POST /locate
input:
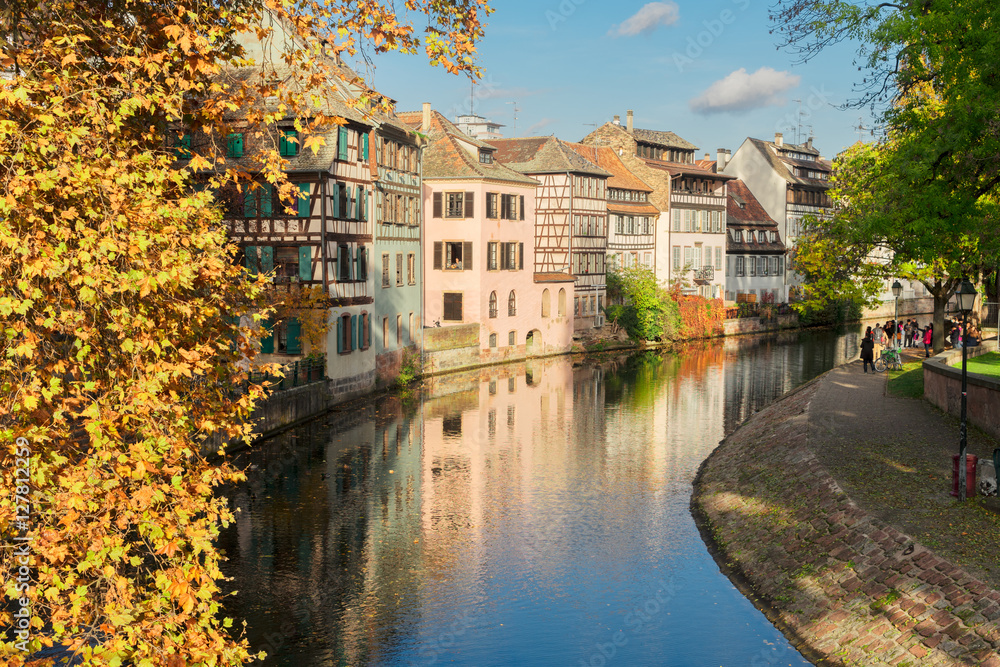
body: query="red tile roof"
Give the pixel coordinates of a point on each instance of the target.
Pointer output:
(606, 158)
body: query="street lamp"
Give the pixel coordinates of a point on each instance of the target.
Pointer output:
(966, 302)
(897, 289)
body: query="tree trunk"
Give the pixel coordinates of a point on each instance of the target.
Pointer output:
(941, 291)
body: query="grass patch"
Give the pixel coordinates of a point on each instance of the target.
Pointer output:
(909, 382)
(988, 364)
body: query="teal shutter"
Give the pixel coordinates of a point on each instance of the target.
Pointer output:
(250, 204)
(361, 270)
(354, 332)
(266, 197)
(294, 336)
(368, 332)
(336, 200)
(266, 259)
(250, 259)
(364, 146)
(340, 335)
(234, 145)
(305, 263)
(342, 144)
(305, 200)
(288, 145)
(267, 343)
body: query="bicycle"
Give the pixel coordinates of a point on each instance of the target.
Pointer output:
(889, 359)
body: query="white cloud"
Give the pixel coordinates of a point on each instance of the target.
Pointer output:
(741, 91)
(533, 130)
(647, 19)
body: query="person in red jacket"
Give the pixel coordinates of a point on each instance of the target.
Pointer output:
(928, 339)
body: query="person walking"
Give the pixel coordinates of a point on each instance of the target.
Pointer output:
(928, 339)
(868, 353)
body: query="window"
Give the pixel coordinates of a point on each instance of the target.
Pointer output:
(740, 267)
(453, 256)
(385, 269)
(512, 304)
(562, 303)
(409, 330)
(493, 346)
(576, 306)
(365, 335)
(774, 266)
(234, 145)
(288, 143)
(485, 156)
(675, 224)
(453, 306)
(688, 258)
(494, 309)
(345, 333)
(546, 306)
(511, 255)
(773, 237)
(399, 330)
(455, 205)
(411, 269)
(511, 341)
(342, 143)
(399, 269)
(491, 256)
(752, 266)
(677, 257)
(716, 222)
(344, 262)
(718, 258)
(385, 333)
(491, 205)
(762, 266)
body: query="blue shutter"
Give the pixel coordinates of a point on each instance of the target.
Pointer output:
(340, 335)
(294, 336)
(266, 259)
(305, 263)
(234, 145)
(354, 332)
(267, 342)
(342, 144)
(305, 201)
(250, 259)
(250, 203)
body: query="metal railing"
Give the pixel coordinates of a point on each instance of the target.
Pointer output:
(296, 374)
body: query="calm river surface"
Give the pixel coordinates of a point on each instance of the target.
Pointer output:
(530, 514)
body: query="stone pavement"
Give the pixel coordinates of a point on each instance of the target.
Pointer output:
(847, 586)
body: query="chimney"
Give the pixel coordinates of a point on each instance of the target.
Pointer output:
(779, 139)
(809, 142)
(707, 157)
(618, 120)
(425, 123)
(628, 120)
(721, 159)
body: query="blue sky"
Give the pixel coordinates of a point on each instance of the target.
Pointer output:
(708, 71)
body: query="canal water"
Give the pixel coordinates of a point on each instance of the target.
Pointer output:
(528, 514)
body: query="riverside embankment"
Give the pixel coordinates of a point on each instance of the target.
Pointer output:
(831, 509)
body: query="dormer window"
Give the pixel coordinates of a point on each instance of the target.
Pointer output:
(485, 156)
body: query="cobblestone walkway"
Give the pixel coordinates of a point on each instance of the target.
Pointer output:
(850, 587)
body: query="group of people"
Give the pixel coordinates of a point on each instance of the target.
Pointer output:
(911, 334)
(894, 334)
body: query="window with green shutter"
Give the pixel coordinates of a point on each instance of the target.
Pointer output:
(354, 332)
(294, 329)
(288, 143)
(266, 259)
(305, 263)
(305, 200)
(267, 342)
(250, 259)
(340, 335)
(266, 198)
(364, 147)
(234, 145)
(250, 204)
(349, 203)
(182, 146)
(336, 199)
(342, 143)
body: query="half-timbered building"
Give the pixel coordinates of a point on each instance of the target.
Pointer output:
(690, 232)
(631, 216)
(478, 251)
(571, 219)
(791, 181)
(755, 254)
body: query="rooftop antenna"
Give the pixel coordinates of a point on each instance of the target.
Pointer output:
(516, 109)
(798, 128)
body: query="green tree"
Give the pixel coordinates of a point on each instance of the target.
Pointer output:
(118, 356)
(640, 305)
(921, 202)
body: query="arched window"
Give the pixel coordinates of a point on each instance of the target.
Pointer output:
(493, 304)
(512, 304)
(562, 303)
(545, 303)
(493, 345)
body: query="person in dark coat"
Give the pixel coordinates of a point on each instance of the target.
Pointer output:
(868, 353)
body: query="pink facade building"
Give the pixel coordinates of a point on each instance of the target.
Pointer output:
(479, 253)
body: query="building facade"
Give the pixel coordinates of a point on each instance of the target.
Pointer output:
(479, 254)
(791, 181)
(690, 230)
(755, 254)
(571, 219)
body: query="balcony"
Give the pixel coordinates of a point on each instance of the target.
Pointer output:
(705, 274)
